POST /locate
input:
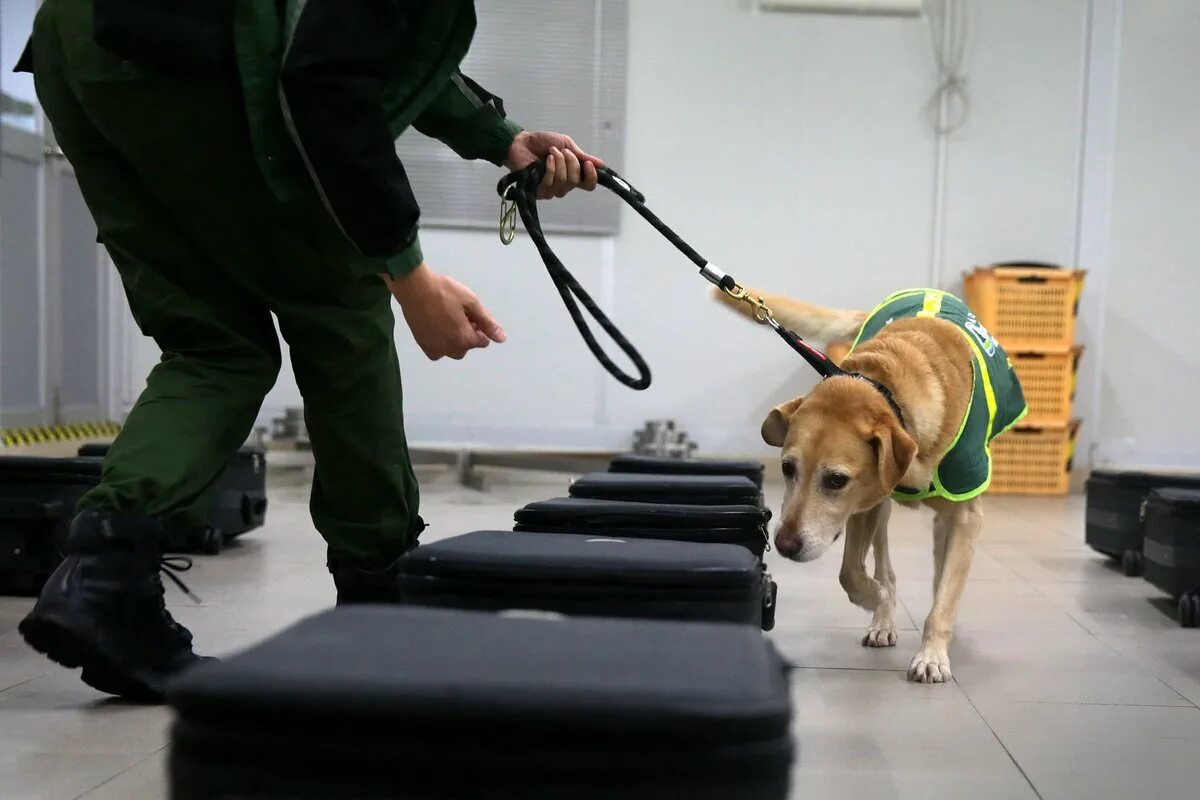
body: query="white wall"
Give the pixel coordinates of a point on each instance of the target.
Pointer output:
(794, 151)
(1151, 345)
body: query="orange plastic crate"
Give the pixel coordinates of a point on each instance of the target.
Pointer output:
(1026, 308)
(1034, 459)
(1048, 378)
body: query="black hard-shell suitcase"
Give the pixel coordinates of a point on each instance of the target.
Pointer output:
(1172, 548)
(404, 703)
(37, 503)
(709, 490)
(580, 575)
(1114, 512)
(744, 525)
(738, 525)
(239, 499)
(662, 465)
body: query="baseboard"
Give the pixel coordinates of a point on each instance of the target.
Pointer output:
(1127, 454)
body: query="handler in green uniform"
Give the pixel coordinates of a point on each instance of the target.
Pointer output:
(997, 402)
(238, 158)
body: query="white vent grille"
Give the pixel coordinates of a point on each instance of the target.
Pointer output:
(558, 66)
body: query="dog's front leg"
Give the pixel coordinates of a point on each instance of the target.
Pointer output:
(958, 526)
(882, 632)
(863, 590)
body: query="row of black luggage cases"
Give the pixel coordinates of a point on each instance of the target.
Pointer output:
(607, 647)
(38, 497)
(681, 546)
(1150, 523)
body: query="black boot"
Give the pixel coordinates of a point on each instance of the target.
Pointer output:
(103, 608)
(356, 584)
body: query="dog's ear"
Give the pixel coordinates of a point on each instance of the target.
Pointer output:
(775, 426)
(895, 450)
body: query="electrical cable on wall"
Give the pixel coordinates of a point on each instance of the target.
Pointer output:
(947, 111)
(949, 105)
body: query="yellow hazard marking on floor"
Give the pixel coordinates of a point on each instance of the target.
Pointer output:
(75, 431)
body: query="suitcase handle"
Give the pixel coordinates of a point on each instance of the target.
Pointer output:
(25, 509)
(1028, 264)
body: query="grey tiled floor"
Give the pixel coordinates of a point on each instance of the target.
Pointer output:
(1072, 681)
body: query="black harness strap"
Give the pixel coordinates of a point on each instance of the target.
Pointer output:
(520, 188)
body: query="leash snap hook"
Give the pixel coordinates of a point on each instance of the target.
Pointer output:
(758, 307)
(508, 216)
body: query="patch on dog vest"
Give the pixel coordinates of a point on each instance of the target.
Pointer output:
(997, 402)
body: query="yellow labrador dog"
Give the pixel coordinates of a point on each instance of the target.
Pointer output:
(927, 390)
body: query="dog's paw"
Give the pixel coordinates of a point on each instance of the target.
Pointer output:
(880, 636)
(930, 665)
(866, 593)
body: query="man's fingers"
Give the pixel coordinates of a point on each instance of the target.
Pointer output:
(546, 187)
(571, 176)
(556, 173)
(590, 176)
(581, 154)
(484, 322)
(561, 176)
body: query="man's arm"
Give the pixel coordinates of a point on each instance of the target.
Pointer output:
(469, 120)
(331, 88)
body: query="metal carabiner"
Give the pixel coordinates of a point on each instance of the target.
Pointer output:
(508, 217)
(758, 307)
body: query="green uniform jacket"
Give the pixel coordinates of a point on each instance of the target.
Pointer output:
(425, 90)
(321, 83)
(997, 402)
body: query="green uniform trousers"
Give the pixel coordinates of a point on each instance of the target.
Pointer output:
(207, 255)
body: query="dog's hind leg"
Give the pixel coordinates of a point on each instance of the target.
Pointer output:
(882, 632)
(958, 524)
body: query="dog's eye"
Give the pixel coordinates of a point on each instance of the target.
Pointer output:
(789, 469)
(835, 481)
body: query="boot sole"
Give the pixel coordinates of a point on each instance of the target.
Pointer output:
(59, 642)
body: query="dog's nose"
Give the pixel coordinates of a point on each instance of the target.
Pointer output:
(786, 544)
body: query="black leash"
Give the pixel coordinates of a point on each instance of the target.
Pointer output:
(518, 194)
(520, 189)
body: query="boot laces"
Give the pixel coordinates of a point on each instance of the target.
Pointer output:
(171, 566)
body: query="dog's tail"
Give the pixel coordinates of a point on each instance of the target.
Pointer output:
(809, 321)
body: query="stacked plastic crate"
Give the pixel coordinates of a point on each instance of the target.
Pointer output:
(1032, 311)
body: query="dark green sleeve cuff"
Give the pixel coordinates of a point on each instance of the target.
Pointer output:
(499, 141)
(404, 262)
(484, 135)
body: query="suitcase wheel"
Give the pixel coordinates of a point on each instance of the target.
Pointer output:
(1189, 609)
(1132, 563)
(212, 541)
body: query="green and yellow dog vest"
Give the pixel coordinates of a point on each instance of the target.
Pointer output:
(997, 402)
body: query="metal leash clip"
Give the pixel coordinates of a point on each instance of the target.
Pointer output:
(758, 307)
(508, 217)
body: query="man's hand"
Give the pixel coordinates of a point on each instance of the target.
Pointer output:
(445, 317)
(567, 166)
